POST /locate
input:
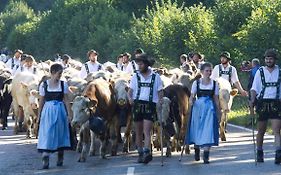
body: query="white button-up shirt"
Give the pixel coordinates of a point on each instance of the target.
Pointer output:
(216, 73)
(129, 67)
(270, 92)
(27, 69)
(16, 65)
(145, 91)
(93, 67)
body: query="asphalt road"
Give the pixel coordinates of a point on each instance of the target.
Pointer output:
(18, 155)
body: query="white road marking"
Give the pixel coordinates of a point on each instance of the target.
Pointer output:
(131, 171)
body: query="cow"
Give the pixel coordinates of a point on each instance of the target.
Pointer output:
(163, 115)
(98, 100)
(76, 87)
(5, 96)
(124, 111)
(226, 94)
(25, 95)
(179, 112)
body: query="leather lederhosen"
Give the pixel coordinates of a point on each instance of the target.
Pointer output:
(145, 107)
(269, 107)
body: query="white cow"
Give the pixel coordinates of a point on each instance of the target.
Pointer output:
(25, 94)
(226, 94)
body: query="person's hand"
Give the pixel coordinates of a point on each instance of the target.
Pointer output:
(244, 93)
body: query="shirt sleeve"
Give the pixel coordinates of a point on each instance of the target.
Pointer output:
(83, 73)
(159, 83)
(133, 81)
(215, 73)
(41, 89)
(257, 84)
(234, 76)
(194, 87)
(217, 88)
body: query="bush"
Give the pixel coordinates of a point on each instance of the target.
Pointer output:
(168, 30)
(16, 13)
(262, 30)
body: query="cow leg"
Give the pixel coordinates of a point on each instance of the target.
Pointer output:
(104, 142)
(21, 118)
(222, 126)
(114, 138)
(92, 146)
(16, 111)
(28, 124)
(167, 142)
(79, 144)
(126, 145)
(85, 144)
(5, 111)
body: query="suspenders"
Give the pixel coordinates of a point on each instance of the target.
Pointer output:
(13, 64)
(229, 72)
(34, 69)
(134, 66)
(87, 68)
(150, 85)
(269, 84)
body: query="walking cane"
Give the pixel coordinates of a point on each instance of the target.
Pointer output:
(253, 131)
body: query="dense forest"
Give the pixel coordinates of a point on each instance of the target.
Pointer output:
(163, 28)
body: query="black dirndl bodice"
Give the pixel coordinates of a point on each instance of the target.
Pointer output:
(205, 92)
(56, 95)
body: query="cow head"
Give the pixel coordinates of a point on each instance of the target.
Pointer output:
(121, 88)
(82, 108)
(32, 93)
(163, 110)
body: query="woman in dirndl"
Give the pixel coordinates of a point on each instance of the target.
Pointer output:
(54, 110)
(203, 125)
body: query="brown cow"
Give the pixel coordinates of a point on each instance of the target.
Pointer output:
(179, 112)
(98, 100)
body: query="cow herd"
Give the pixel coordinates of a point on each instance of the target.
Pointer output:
(102, 97)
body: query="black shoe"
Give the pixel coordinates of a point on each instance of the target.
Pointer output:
(45, 161)
(197, 154)
(4, 128)
(60, 159)
(278, 157)
(147, 158)
(260, 156)
(206, 157)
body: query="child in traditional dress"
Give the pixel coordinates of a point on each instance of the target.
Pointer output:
(54, 110)
(203, 126)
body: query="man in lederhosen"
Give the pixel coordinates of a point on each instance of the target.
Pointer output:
(228, 72)
(14, 63)
(92, 65)
(266, 90)
(129, 66)
(146, 89)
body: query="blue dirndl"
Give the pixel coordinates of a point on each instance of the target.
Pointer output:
(203, 125)
(54, 129)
